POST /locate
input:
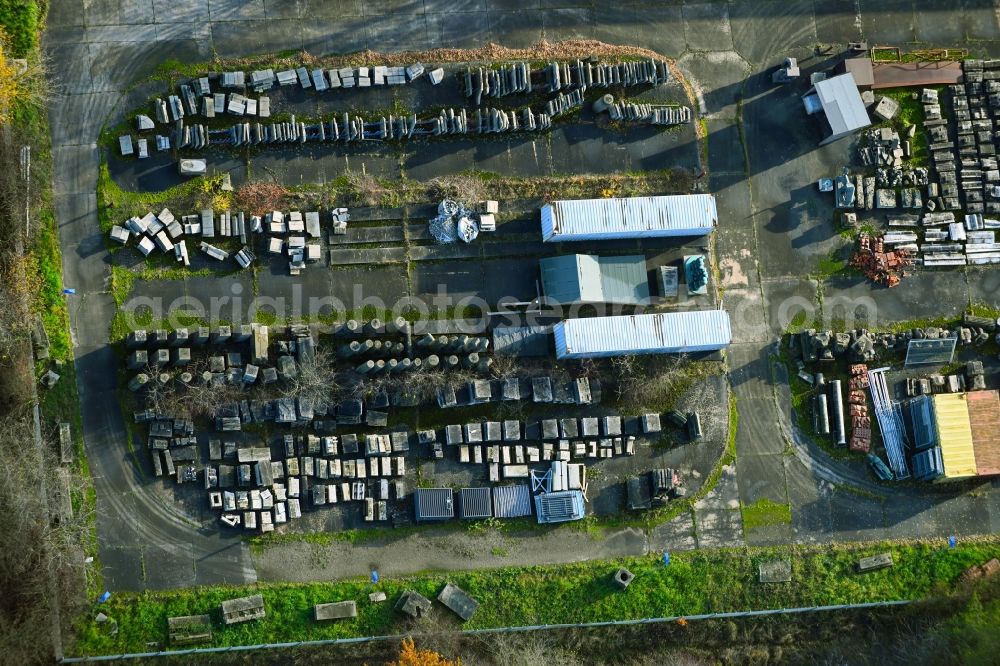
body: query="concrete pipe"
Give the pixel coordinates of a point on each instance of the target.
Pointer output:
(138, 381)
(602, 103)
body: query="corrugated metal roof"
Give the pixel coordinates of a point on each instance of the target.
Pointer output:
(842, 104)
(572, 278)
(585, 278)
(922, 415)
(927, 465)
(984, 417)
(624, 280)
(511, 501)
(476, 503)
(955, 435)
(434, 503)
(678, 215)
(560, 506)
(673, 332)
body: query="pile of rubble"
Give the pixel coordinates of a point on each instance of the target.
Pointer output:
(973, 379)
(294, 233)
(879, 265)
(861, 422)
(858, 345)
(885, 149)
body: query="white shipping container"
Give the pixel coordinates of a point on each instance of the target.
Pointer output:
(666, 333)
(634, 217)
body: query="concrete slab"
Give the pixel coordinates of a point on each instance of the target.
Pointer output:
(837, 21)
(511, 5)
(516, 29)
(455, 7)
(135, 12)
(725, 148)
(101, 12)
(169, 11)
(168, 567)
(907, 301)
(791, 300)
(74, 77)
(235, 10)
(719, 529)
(122, 569)
(230, 564)
(725, 494)
(332, 9)
(568, 23)
(64, 14)
(76, 167)
(459, 29)
(717, 78)
(113, 528)
(676, 534)
(228, 37)
(706, 26)
(977, 19)
(888, 21)
(764, 31)
(762, 476)
(122, 33)
(399, 32)
(331, 36)
(377, 8)
(657, 27)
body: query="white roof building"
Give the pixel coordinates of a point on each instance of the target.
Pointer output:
(632, 217)
(840, 102)
(665, 333)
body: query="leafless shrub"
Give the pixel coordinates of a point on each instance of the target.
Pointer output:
(464, 188)
(41, 556)
(528, 649)
(316, 379)
(364, 188)
(648, 380)
(424, 383)
(195, 399)
(261, 196)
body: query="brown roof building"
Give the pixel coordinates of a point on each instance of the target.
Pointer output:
(984, 417)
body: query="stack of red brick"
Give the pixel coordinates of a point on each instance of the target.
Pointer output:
(857, 407)
(879, 266)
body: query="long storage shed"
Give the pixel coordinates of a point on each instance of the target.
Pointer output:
(664, 333)
(632, 217)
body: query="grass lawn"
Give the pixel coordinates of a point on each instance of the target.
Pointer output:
(764, 512)
(694, 582)
(20, 20)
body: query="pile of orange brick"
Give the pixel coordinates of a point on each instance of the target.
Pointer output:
(857, 407)
(880, 266)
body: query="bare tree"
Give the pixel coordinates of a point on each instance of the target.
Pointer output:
(315, 378)
(648, 380)
(41, 554)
